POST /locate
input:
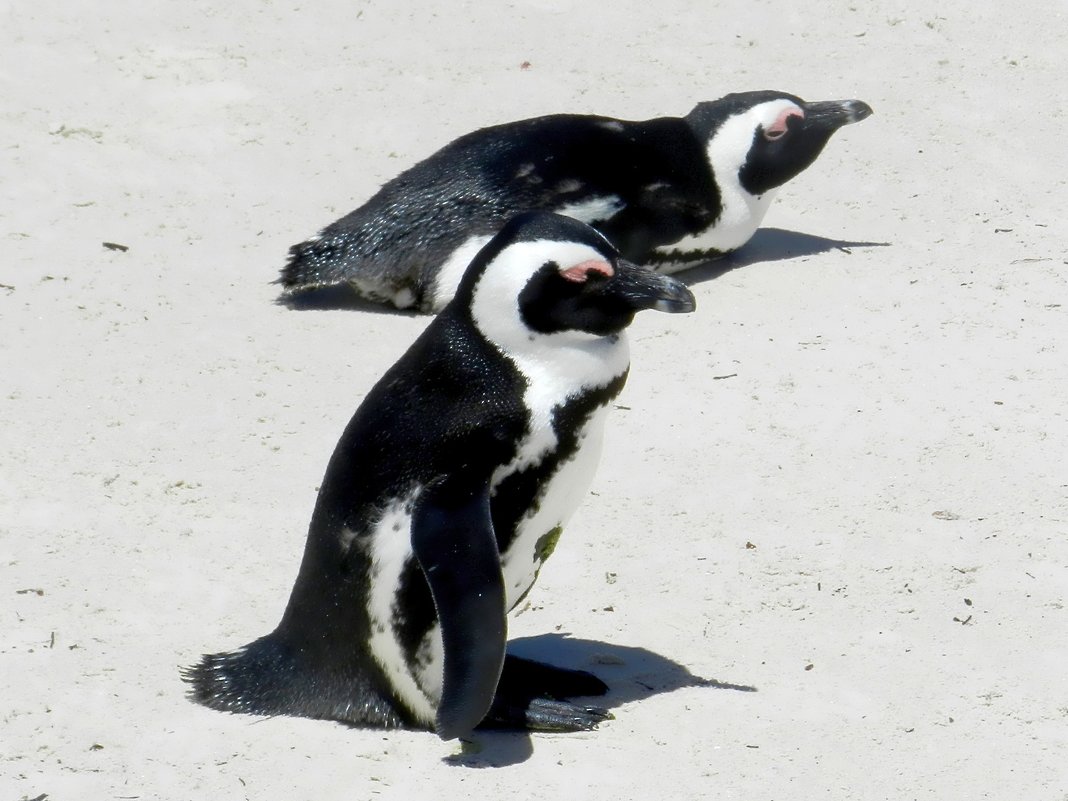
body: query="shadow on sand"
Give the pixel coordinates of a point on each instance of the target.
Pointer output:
(339, 297)
(632, 674)
(771, 244)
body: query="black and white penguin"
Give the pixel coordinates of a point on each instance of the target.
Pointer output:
(445, 495)
(669, 192)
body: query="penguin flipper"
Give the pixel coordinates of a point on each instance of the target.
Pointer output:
(454, 542)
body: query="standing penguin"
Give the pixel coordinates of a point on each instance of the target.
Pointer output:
(447, 492)
(668, 192)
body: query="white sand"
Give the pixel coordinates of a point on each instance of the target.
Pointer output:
(891, 438)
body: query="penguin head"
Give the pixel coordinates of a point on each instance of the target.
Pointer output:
(547, 274)
(766, 138)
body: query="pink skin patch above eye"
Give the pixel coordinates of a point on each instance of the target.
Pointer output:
(581, 272)
(778, 128)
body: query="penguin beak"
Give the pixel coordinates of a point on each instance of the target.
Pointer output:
(641, 289)
(830, 115)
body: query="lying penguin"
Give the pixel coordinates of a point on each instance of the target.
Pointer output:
(445, 495)
(669, 193)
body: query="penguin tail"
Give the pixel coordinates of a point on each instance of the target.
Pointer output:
(256, 679)
(316, 263)
(270, 677)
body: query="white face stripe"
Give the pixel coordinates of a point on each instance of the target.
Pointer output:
(495, 305)
(729, 146)
(727, 151)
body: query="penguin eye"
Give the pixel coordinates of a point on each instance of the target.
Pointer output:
(779, 128)
(592, 270)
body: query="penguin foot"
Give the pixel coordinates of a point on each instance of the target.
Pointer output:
(531, 695)
(545, 714)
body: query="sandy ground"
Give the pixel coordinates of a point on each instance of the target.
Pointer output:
(826, 553)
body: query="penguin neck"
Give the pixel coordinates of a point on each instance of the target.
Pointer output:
(740, 211)
(556, 369)
(740, 216)
(555, 366)
(560, 365)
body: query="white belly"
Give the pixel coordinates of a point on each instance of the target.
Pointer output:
(741, 216)
(538, 531)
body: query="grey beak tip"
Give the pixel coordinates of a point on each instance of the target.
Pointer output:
(680, 302)
(856, 110)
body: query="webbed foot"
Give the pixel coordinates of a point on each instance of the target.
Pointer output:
(532, 696)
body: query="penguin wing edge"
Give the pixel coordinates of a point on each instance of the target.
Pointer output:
(454, 542)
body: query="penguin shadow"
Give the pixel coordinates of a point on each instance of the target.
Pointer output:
(339, 297)
(632, 674)
(771, 244)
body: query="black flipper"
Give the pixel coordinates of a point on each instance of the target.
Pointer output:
(453, 539)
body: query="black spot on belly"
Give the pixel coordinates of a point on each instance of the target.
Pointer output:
(543, 549)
